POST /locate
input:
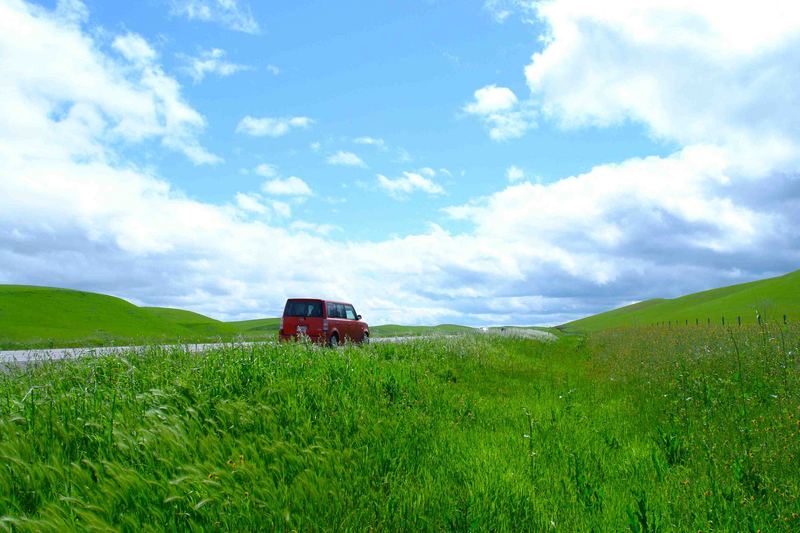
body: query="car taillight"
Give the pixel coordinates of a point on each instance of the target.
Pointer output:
(325, 325)
(281, 322)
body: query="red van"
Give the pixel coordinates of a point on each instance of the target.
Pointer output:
(322, 321)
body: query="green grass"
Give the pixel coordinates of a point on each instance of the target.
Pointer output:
(259, 326)
(773, 298)
(394, 330)
(634, 429)
(35, 317)
(44, 317)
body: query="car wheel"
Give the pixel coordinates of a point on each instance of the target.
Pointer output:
(365, 338)
(334, 341)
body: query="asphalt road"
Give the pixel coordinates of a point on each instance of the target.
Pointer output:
(55, 354)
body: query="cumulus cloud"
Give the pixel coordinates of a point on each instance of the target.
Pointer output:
(230, 14)
(75, 213)
(80, 97)
(310, 227)
(210, 62)
(291, 186)
(499, 109)
(266, 170)
(271, 127)
(693, 73)
(250, 202)
(348, 159)
(514, 173)
(409, 183)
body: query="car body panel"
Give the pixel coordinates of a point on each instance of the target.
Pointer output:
(310, 316)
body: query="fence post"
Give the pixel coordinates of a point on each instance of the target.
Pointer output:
(739, 320)
(723, 320)
(708, 321)
(759, 319)
(784, 320)
(696, 322)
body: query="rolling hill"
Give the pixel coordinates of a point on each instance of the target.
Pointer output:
(44, 317)
(772, 297)
(49, 317)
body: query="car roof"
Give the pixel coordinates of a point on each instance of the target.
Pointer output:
(317, 300)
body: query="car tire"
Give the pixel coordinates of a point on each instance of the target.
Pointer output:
(333, 342)
(365, 338)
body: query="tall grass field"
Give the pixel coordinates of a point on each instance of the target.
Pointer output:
(638, 429)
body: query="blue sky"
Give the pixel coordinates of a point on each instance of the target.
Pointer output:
(499, 161)
(400, 73)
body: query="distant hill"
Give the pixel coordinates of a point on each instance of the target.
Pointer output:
(36, 317)
(772, 297)
(395, 330)
(43, 316)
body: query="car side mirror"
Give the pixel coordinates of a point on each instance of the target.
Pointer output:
(358, 317)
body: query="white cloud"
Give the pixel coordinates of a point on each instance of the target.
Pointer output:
(135, 49)
(499, 109)
(345, 159)
(502, 10)
(210, 62)
(310, 227)
(371, 141)
(411, 182)
(282, 209)
(74, 213)
(266, 170)
(272, 69)
(272, 127)
(492, 99)
(81, 96)
(291, 186)
(693, 73)
(250, 202)
(514, 173)
(230, 14)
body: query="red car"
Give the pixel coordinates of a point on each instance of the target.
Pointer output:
(322, 321)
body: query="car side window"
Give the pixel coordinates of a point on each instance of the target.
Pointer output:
(331, 309)
(350, 312)
(339, 311)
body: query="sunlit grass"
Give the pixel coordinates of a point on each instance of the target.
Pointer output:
(640, 430)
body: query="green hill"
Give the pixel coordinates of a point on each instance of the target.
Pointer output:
(259, 326)
(772, 297)
(44, 317)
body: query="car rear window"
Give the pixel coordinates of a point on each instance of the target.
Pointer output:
(307, 308)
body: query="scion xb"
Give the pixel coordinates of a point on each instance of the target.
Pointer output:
(322, 321)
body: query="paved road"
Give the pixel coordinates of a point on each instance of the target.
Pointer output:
(55, 354)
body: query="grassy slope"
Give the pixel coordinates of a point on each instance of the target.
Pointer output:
(259, 326)
(628, 430)
(774, 297)
(41, 316)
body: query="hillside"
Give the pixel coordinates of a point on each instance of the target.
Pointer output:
(34, 317)
(772, 297)
(43, 317)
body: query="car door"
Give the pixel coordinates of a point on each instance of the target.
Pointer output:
(353, 325)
